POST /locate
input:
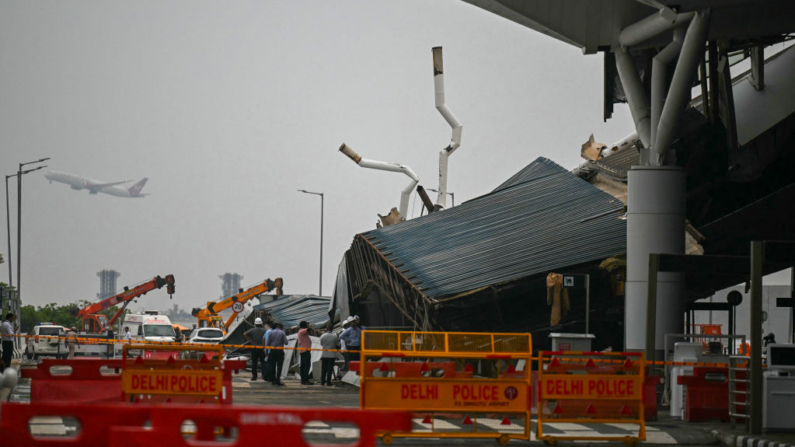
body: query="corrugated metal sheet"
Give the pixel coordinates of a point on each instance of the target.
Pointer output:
(542, 219)
(290, 310)
(533, 171)
(617, 165)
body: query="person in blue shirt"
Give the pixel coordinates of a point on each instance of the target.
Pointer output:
(267, 373)
(353, 339)
(277, 340)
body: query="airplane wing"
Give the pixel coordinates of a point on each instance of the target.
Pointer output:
(105, 185)
(94, 187)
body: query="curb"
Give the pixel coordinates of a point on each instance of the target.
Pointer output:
(732, 440)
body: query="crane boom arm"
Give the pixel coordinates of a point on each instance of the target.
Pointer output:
(214, 307)
(128, 295)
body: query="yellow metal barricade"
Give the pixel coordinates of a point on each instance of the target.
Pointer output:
(463, 385)
(591, 387)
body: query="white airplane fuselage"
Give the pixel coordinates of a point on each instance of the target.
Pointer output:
(78, 182)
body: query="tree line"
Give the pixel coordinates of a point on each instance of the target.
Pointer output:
(64, 315)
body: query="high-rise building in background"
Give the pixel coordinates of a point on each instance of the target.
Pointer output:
(231, 284)
(107, 283)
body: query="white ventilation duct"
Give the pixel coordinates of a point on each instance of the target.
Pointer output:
(620, 145)
(384, 166)
(455, 141)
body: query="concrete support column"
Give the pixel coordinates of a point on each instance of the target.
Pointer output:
(655, 224)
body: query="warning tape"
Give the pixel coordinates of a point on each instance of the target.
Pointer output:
(111, 341)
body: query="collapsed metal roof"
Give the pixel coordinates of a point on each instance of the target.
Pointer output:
(617, 166)
(543, 218)
(290, 310)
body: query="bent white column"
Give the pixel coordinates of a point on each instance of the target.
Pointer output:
(655, 224)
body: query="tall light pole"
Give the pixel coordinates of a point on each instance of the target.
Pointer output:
(320, 293)
(8, 226)
(452, 194)
(20, 173)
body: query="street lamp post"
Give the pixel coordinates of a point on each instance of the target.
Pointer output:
(452, 195)
(8, 226)
(320, 293)
(20, 173)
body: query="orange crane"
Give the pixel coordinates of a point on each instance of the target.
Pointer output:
(208, 316)
(96, 323)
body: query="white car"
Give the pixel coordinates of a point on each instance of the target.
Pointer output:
(206, 335)
(44, 340)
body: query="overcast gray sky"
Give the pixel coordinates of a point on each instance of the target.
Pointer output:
(229, 107)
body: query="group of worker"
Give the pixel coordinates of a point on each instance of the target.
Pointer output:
(268, 341)
(269, 360)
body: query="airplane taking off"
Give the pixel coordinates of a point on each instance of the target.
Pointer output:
(93, 186)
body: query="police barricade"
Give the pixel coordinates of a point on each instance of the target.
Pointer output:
(205, 378)
(83, 424)
(441, 387)
(76, 380)
(121, 424)
(591, 387)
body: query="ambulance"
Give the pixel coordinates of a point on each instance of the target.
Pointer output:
(149, 326)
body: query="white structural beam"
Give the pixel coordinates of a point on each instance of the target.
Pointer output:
(385, 166)
(455, 140)
(636, 96)
(659, 78)
(663, 20)
(679, 92)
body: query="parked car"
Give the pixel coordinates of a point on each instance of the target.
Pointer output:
(206, 335)
(44, 341)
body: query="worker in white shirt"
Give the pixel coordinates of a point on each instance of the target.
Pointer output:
(7, 334)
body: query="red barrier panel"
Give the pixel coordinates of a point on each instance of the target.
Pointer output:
(53, 381)
(707, 395)
(254, 424)
(121, 424)
(95, 422)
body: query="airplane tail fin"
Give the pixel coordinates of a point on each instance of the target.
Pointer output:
(136, 188)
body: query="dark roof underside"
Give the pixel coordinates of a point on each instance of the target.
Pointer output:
(542, 219)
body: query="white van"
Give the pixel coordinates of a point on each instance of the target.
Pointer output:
(149, 326)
